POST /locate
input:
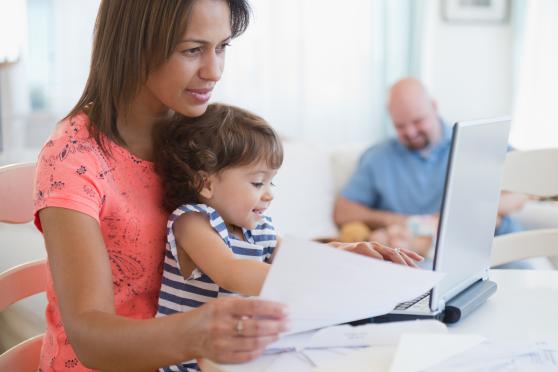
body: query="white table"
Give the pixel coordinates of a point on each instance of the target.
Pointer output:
(525, 307)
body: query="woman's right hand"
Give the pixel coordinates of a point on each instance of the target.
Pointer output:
(236, 330)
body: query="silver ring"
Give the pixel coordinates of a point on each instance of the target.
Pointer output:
(397, 250)
(239, 327)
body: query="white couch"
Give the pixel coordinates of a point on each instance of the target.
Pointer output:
(312, 175)
(306, 187)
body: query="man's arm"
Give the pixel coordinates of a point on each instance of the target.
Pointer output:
(348, 211)
(511, 202)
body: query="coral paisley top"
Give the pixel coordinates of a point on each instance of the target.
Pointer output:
(123, 194)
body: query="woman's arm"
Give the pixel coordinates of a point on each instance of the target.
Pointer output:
(211, 255)
(103, 340)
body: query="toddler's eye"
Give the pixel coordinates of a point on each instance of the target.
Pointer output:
(257, 184)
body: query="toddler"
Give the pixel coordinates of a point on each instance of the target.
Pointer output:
(217, 171)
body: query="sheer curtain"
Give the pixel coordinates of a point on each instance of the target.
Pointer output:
(535, 119)
(319, 71)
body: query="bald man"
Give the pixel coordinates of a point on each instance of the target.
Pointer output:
(405, 176)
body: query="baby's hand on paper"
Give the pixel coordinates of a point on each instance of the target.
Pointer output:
(401, 256)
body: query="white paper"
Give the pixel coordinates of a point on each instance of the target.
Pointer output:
(416, 352)
(504, 357)
(377, 359)
(323, 286)
(347, 336)
(306, 360)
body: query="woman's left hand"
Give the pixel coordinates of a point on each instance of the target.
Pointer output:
(400, 256)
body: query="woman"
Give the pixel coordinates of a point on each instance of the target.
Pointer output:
(98, 200)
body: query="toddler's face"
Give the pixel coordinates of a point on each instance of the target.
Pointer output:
(242, 194)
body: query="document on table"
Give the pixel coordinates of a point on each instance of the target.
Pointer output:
(323, 286)
(503, 357)
(342, 347)
(417, 352)
(347, 336)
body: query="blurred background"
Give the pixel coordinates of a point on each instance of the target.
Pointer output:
(318, 70)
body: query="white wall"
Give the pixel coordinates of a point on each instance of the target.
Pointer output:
(467, 67)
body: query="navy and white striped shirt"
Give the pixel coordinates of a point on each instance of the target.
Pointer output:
(178, 294)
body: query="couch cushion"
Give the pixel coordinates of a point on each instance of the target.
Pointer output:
(304, 196)
(344, 159)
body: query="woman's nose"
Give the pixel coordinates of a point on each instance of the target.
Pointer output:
(212, 68)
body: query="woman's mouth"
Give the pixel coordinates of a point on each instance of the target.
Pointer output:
(199, 95)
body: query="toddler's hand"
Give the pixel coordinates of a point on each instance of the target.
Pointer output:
(401, 256)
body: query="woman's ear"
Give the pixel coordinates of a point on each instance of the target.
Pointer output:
(207, 188)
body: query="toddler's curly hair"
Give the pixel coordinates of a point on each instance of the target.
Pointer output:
(223, 137)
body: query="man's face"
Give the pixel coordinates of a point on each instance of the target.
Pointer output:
(415, 122)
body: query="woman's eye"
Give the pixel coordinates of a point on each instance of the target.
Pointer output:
(257, 184)
(192, 51)
(222, 47)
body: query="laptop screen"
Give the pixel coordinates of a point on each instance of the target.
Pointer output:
(469, 206)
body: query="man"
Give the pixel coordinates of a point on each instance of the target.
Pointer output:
(405, 176)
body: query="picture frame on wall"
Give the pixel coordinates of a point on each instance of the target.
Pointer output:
(475, 11)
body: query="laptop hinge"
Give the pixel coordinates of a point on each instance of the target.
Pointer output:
(468, 300)
(441, 305)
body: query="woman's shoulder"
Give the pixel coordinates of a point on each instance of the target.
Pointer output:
(72, 127)
(70, 151)
(70, 135)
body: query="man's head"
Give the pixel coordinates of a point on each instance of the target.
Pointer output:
(414, 114)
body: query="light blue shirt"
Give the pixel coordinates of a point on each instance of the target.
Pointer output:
(391, 177)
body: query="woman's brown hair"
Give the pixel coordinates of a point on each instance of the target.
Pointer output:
(223, 137)
(131, 39)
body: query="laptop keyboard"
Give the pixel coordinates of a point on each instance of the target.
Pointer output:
(419, 303)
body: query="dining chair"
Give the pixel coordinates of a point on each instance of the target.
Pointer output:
(532, 172)
(27, 279)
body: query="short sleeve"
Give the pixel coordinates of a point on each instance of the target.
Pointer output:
(361, 187)
(171, 240)
(508, 225)
(68, 174)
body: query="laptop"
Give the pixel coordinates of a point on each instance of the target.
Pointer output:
(467, 224)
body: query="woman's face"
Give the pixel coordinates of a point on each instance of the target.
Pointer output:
(185, 81)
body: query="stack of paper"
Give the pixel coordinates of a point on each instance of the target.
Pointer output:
(415, 352)
(346, 336)
(324, 286)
